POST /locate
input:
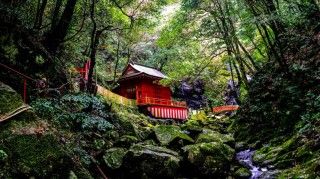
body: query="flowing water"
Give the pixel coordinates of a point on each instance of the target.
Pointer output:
(245, 158)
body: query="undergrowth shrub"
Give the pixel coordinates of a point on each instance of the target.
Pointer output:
(3, 156)
(283, 101)
(75, 111)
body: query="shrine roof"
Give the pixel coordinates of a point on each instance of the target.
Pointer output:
(140, 69)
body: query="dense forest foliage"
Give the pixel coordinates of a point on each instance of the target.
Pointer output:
(266, 51)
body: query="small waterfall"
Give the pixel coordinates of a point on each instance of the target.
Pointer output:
(245, 158)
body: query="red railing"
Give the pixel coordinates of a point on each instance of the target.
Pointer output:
(161, 102)
(84, 71)
(24, 77)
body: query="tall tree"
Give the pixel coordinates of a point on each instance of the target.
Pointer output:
(59, 31)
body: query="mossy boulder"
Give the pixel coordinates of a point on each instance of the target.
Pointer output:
(111, 135)
(281, 156)
(131, 122)
(242, 173)
(30, 148)
(213, 136)
(210, 159)
(114, 157)
(133, 125)
(3, 156)
(193, 127)
(31, 155)
(240, 146)
(168, 133)
(267, 155)
(310, 169)
(9, 99)
(259, 158)
(126, 141)
(192, 123)
(151, 161)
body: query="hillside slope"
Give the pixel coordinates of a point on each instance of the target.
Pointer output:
(84, 136)
(282, 116)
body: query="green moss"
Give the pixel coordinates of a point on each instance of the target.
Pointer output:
(303, 153)
(295, 157)
(152, 161)
(259, 157)
(212, 136)
(284, 163)
(200, 116)
(131, 122)
(172, 164)
(30, 148)
(114, 156)
(290, 144)
(211, 166)
(209, 158)
(30, 155)
(72, 175)
(3, 156)
(82, 173)
(10, 100)
(126, 141)
(166, 134)
(191, 122)
(267, 155)
(215, 149)
(243, 173)
(99, 143)
(139, 149)
(278, 155)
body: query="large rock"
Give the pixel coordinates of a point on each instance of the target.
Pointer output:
(193, 127)
(34, 156)
(243, 173)
(166, 134)
(209, 159)
(280, 156)
(126, 141)
(151, 161)
(9, 99)
(213, 136)
(28, 147)
(114, 156)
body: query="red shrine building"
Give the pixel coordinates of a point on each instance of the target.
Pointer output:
(142, 84)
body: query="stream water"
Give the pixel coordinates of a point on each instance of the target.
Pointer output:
(245, 158)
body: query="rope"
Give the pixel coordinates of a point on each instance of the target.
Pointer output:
(19, 73)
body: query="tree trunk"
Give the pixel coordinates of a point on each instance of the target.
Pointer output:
(40, 13)
(237, 72)
(59, 32)
(248, 55)
(55, 14)
(93, 45)
(117, 62)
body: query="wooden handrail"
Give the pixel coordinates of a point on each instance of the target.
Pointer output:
(159, 101)
(17, 72)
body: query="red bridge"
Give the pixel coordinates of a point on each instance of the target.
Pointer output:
(227, 108)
